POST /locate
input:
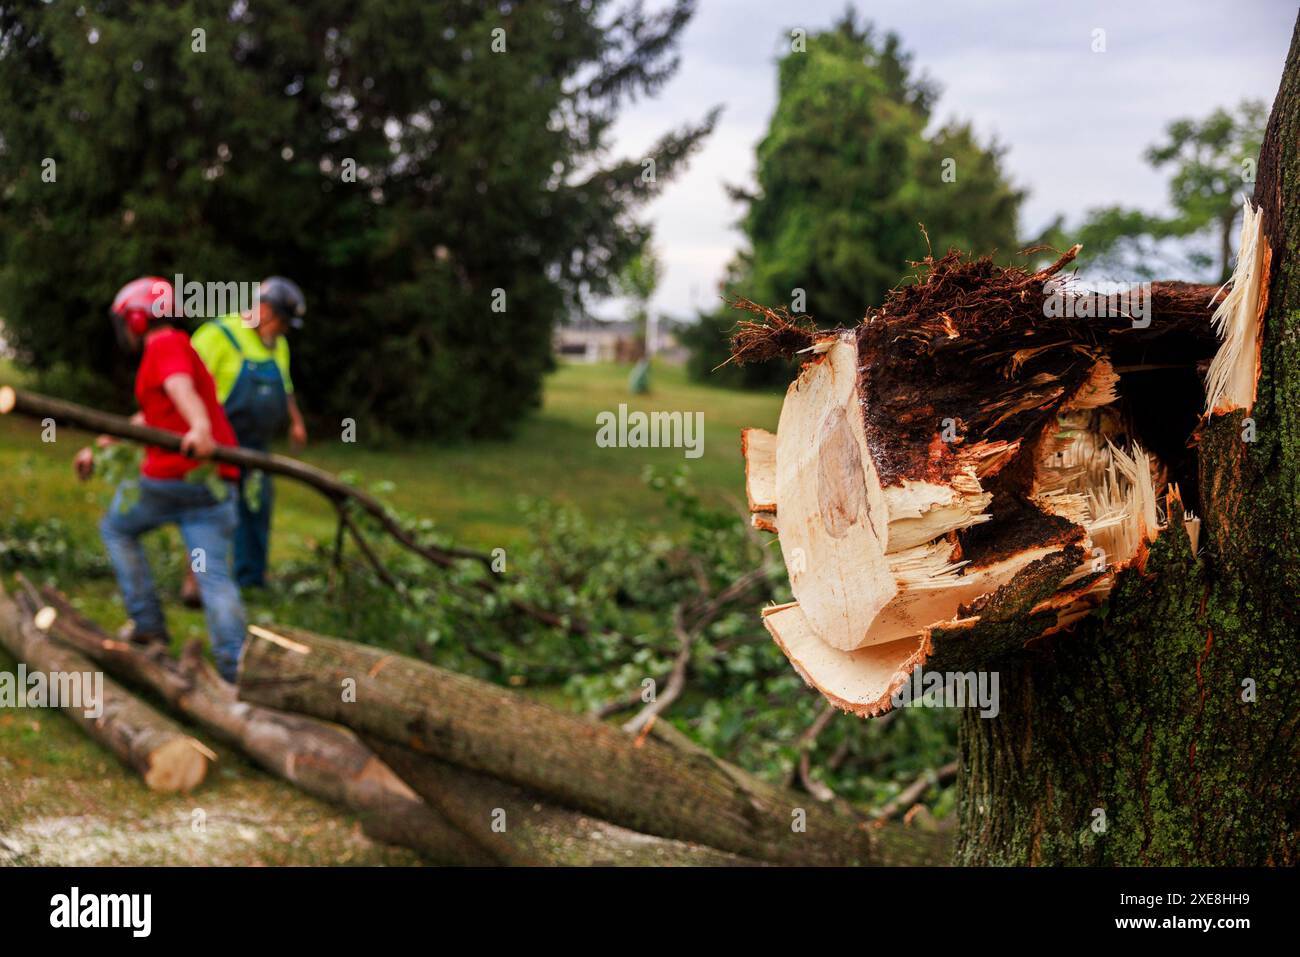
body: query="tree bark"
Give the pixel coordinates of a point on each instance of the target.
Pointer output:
(165, 756)
(643, 784)
(1165, 731)
(523, 830)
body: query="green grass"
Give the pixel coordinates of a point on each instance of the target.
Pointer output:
(63, 799)
(472, 491)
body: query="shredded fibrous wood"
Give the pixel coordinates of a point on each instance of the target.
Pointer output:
(1231, 381)
(775, 335)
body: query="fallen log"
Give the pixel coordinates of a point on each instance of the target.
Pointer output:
(155, 746)
(449, 815)
(522, 830)
(325, 760)
(982, 432)
(641, 783)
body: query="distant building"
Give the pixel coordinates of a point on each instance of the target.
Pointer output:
(588, 339)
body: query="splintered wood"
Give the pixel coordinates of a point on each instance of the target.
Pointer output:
(963, 436)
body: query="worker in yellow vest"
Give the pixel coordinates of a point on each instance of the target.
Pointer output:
(248, 356)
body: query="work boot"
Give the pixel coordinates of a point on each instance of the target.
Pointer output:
(190, 596)
(146, 639)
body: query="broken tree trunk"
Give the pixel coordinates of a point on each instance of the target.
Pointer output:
(165, 756)
(957, 442)
(1165, 732)
(643, 783)
(325, 760)
(1180, 745)
(1160, 726)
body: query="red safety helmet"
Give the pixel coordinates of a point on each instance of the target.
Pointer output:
(142, 303)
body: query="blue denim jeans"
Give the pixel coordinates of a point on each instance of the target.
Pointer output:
(253, 537)
(207, 527)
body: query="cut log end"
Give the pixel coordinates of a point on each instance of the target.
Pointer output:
(830, 505)
(180, 764)
(8, 399)
(149, 742)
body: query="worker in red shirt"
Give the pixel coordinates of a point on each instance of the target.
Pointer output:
(175, 392)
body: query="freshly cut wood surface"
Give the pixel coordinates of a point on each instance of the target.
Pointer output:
(758, 446)
(859, 681)
(833, 517)
(919, 512)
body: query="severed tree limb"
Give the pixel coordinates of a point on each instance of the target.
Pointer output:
(644, 784)
(676, 679)
(984, 429)
(346, 522)
(616, 705)
(522, 830)
(677, 675)
(38, 406)
(336, 557)
(325, 760)
(841, 752)
(165, 756)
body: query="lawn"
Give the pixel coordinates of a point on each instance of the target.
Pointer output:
(473, 491)
(65, 800)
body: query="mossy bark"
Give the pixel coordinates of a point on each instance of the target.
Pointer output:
(1163, 731)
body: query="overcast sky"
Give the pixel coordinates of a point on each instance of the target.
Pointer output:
(1075, 122)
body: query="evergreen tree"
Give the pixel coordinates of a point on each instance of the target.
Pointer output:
(847, 177)
(434, 173)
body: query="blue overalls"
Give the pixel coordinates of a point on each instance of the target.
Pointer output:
(258, 408)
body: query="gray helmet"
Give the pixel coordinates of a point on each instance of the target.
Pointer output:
(285, 298)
